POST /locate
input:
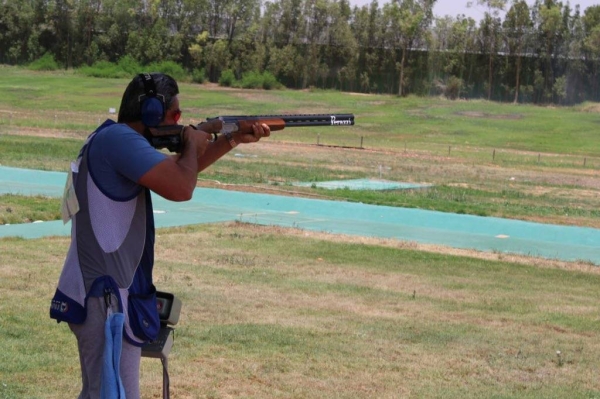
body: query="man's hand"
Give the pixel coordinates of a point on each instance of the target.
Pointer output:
(259, 130)
(196, 138)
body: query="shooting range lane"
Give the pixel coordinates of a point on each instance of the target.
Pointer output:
(430, 227)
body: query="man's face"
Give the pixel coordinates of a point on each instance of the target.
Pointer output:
(173, 113)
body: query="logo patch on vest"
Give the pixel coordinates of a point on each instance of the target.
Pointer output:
(60, 306)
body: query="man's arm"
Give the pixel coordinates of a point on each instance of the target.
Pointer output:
(175, 177)
(222, 145)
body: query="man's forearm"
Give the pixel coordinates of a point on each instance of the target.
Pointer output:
(187, 161)
(214, 152)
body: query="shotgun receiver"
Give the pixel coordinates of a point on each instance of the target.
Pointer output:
(169, 137)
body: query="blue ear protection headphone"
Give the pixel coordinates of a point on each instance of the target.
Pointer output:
(152, 104)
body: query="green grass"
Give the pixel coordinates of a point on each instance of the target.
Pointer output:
(38, 152)
(60, 91)
(268, 313)
(384, 121)
(471, 201)
(274, 313)
(15, 209)
(483, 158)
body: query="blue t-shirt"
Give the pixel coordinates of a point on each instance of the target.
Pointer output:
(118, 157)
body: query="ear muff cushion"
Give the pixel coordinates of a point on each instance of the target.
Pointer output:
(152, 111)
(152, 104)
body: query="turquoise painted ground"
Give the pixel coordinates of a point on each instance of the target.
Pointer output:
(212, 205)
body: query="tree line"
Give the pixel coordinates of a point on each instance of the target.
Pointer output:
(547, 52)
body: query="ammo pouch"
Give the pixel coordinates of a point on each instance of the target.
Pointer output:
(143, 315)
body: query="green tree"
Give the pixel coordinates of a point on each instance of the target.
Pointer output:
(196, 50)
(60, 30)
(16, 26)
(154, 43)
(490, 37)
(368, 30)
(249, 53)
(222, 18)
(341, 54)
(406, 21)
(287, 63)
(453, 40)
(517, 27)
(575, 57)
(239, 16)
(217, 58)
(548, 21)
(591, 47)
(591, 18)
(316, 26)
(113, 26)
(283, 22)
(85, 16)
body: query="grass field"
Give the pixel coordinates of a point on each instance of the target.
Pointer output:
(283, 313)
(489, 159)
(273, 313)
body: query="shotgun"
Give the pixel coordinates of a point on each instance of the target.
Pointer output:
(169, 137)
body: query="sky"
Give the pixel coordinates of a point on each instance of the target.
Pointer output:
(456, 7)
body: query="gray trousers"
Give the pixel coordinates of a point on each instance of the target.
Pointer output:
(90, 342)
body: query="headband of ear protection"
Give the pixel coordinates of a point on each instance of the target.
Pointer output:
(152, 104)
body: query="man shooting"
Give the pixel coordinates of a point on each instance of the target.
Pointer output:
(108, 268)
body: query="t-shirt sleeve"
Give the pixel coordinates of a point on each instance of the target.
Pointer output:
(129, 153)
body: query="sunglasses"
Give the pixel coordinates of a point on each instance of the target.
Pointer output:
(176, 115)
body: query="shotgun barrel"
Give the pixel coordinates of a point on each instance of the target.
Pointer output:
(169, 137)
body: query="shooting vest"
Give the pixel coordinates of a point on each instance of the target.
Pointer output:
(111, 252)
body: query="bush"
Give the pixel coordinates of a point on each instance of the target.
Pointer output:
(44, 63)
(454, 87)
(129, 64)
(199, 75)
(227, 78)
(104, 69)
(251, 80)
(270, 81)
(171, 68)
(127, 67)
(255, 80)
